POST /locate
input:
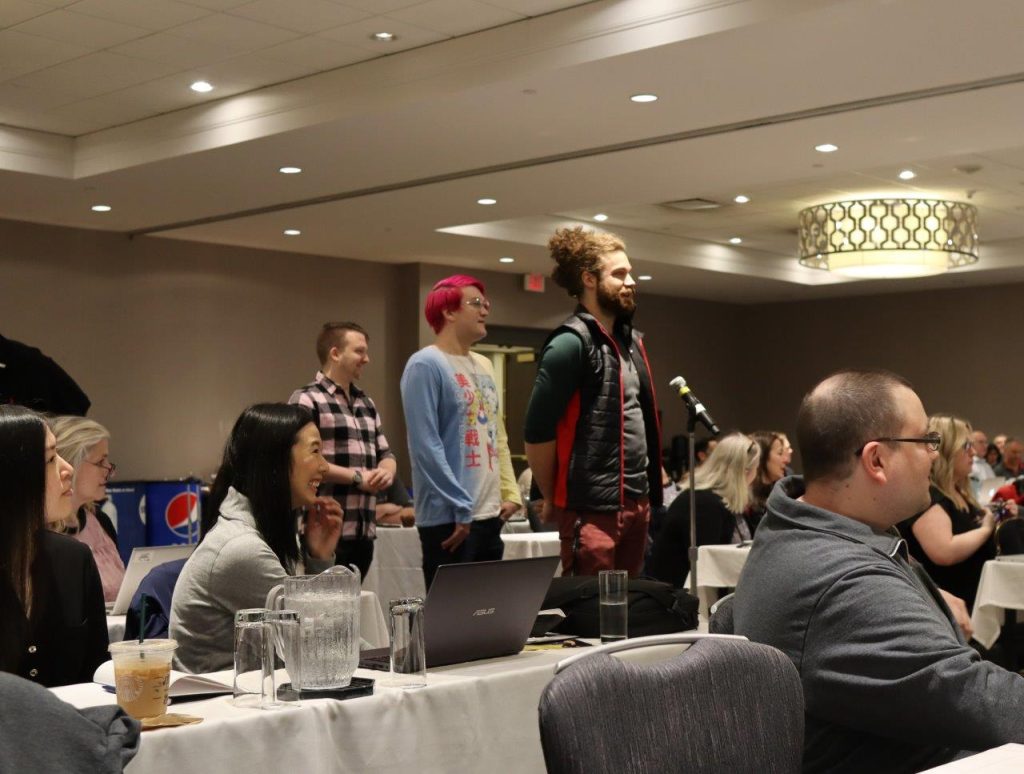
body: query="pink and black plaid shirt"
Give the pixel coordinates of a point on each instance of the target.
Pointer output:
(352, 437)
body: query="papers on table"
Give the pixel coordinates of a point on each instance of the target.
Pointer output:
(181, 684)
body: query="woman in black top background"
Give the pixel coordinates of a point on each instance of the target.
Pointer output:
(953, 538)
(722, 494)
(53, 627)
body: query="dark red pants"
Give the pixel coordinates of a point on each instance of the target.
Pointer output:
(594, 541)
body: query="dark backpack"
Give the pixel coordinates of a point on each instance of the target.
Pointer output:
(654, 607)
(1009, 536)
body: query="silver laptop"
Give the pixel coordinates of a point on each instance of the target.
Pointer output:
(144, 559)
(479, 610)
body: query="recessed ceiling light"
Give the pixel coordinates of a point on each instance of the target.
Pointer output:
(907, 174)
(735, 241)
(201, 86)
(290, 170)
(600, 217)
(644, 98)
(506, 259)
(101, 208)
(741, 199)
(384, 37)
(292, 232)
(487, 201)
(644, 277)
(826, 148)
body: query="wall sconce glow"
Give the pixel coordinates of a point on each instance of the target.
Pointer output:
(201, 86)
(888, 238)
(741, 199)
(506, 259)
(487, 201)
(101, 208)
(384, 37)
(644, 277)
(643, 98)
(290, 170)
(600, 217)
(292, 232)
(907, 174)
(826, 148)
(735, 241)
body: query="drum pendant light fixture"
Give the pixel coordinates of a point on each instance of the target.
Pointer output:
(888, 238)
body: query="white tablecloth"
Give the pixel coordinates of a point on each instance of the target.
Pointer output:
(372, 625)
(1001, 587)
(717, 566)
(397, 569)
(1008, 759)
(476, 717)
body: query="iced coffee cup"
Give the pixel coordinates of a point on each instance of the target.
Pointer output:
(142, 672)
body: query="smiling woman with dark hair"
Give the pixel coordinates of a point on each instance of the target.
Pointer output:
(54, 627)
(270, 473)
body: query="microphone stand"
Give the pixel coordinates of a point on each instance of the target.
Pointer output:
(691, 425)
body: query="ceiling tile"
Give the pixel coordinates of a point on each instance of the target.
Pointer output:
(300, 15)
(70, 27)
(252, 71)
(173, 50)
(379, 6)
(16, 11)
(20, 53)
(234, 33)
(316, 53)
(94, 74)
(455, 17)
(359, 34)
(216, 5)
(91, 115)
(153, 15)
(14, 97)
(535, 7)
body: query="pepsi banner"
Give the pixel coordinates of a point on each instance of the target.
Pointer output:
(172, 512)
(126, 509)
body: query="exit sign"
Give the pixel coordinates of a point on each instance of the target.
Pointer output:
(533, 283)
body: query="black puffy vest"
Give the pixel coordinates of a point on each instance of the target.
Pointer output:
(593, 426)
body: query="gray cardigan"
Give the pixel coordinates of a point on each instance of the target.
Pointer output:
(889, 683)
(232, 569)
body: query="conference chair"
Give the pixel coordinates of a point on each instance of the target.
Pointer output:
(720, 616)
(723, 705)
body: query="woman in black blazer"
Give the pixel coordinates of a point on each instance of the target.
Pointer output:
(53, 626)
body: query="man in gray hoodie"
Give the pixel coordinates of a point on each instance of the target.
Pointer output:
(889, 681)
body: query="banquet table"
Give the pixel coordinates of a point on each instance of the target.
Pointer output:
(718, 566)
(474, 717)
(1006, 759)
(372, 625)
(1001, 588)
(397, 569)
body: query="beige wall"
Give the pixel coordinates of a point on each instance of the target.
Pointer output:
(172, 339)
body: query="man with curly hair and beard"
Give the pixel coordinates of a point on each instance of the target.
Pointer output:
(592, 435)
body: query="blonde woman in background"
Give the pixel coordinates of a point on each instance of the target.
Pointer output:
(85, 444)
(952, 538)
(722, 496)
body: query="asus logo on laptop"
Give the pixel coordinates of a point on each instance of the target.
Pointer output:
(484, 611)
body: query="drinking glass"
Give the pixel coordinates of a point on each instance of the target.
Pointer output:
(613, 586)
(254, 659)
(282, 628)
(408, 656)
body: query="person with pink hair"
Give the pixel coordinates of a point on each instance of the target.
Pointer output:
(463, 484)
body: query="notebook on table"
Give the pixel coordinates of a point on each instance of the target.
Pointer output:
(144, 559)
(478, 610)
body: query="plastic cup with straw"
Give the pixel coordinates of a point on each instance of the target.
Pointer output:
(142, 671)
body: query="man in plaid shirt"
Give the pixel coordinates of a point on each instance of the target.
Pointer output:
(357, 453)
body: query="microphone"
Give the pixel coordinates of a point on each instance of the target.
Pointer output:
(694, 404)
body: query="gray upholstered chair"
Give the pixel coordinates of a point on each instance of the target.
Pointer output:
(723, 705)
(720, 616)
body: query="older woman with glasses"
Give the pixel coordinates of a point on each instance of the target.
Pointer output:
(953, 538)
(722, 494)
(85, 444)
